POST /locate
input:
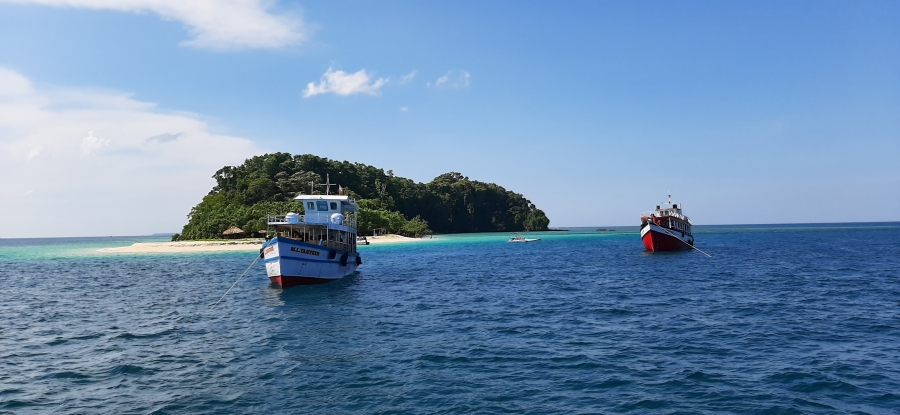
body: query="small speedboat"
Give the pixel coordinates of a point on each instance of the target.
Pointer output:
(520, 238)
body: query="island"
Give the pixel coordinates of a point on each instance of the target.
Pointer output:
(388, 204)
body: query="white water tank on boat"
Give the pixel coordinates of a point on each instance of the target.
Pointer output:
(292, 217)
(337, 218)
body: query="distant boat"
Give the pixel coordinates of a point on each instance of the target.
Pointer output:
(520, 238)
(361, 240)
(666, 229)
(317, 247)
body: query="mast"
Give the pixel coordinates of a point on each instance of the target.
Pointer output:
(327, 184)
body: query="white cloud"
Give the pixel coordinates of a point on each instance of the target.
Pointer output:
(408, 77)
(92, 148)
(453, 79)
(12, 83)
(342, 83)
(214, 24)
(35, 152)
(91, 143)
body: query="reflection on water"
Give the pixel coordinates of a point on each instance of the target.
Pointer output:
(275, 296)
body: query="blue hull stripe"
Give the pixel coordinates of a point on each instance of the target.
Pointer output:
(301, 259)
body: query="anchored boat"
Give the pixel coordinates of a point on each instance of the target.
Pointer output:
(316, 247)
(666, 229)
(521, 238)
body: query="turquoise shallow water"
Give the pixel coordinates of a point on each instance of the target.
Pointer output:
(782, 319)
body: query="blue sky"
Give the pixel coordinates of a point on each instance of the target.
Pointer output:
(748, 112)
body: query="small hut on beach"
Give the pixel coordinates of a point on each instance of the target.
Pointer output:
(233, 233)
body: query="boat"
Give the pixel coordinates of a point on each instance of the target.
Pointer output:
(666, 229)
(316, 247)
(521, 238)
(361, 240)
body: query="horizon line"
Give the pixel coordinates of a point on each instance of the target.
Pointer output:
(164, 234)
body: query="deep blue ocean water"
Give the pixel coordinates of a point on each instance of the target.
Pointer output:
(781, 320)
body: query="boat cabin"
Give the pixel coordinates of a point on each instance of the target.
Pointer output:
(669, 216)
(328, 220)
(672, 210)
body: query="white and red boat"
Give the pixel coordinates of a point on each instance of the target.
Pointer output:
(666, 229)
(316, 247)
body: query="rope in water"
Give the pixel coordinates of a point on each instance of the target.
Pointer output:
(692, 246)
(235, 283)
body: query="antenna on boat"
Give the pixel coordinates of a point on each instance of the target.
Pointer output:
(327, 183)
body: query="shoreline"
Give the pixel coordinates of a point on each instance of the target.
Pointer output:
(229, 245)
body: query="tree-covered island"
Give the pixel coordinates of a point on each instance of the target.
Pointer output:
(266, 185)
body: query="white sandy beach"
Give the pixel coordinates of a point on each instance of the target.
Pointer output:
(228, 245)
(390, 239)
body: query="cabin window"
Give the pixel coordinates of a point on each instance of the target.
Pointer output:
(322, 205)
(333, 205)
(310, 206)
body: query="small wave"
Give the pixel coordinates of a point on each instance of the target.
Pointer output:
(700, 376)
(133, 336)
(647, 404)
(831, 385)
(129, 370)
(56, 342)
(788, 377)
(812, 404)
(889, 398)
(432, 358)
(13, 404)
(67, 375)
(605, 384)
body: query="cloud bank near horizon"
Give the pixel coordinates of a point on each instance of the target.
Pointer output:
(78, 156)
(213, 24)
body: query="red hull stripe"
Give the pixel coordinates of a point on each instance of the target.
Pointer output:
(655, 242)
(286, 282)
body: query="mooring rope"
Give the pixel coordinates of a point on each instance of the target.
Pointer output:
(235, 283)
(692, 246)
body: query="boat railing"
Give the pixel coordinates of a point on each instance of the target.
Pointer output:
(283, 219)
(349, 221)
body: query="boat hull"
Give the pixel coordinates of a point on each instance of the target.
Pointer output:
(290, 262)
(657, 239)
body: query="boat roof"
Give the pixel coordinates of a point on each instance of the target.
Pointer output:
(323, 197)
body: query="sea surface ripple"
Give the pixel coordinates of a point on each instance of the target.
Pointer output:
(781, 320)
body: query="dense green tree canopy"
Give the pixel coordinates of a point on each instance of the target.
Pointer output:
(266, 185)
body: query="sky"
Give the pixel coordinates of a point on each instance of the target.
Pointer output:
(114, 115)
